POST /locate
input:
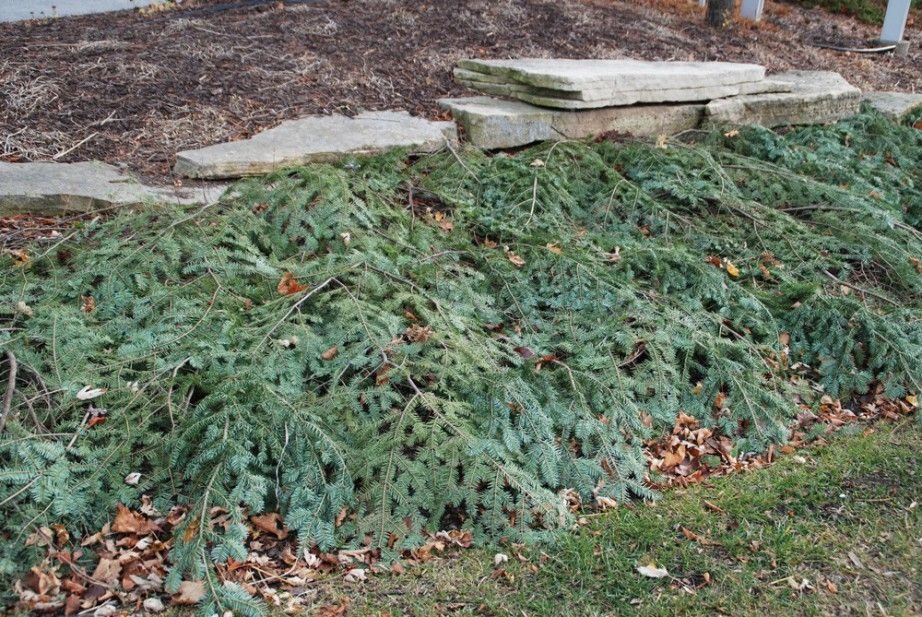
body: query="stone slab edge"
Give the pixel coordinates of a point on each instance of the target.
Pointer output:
(61, 188)
(564, 74)
(315, 139)
(817, 97)
(492, 123)
(894, 105)
(606, 98)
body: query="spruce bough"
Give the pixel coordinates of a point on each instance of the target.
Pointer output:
(475, 334)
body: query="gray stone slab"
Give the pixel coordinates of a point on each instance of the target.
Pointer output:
(492, 123)
(590, 99)
(894, 105)
(816, 97)
(315, 139)
(629, 75)
(47, 187)
(679, 95)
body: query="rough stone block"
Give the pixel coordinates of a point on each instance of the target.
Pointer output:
(816, 97)
(495, 123)
(894, 105)
(314, 139)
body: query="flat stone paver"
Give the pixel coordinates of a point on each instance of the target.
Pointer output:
(492, 123)
(894, 105)
(619, 75)
(315, 139)
(55, 188)
(816, 97)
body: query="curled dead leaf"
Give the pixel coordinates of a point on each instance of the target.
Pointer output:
(190, 592)
(289, 285)
(128, 521)
(651, 571)
(88, 393)
(514, 259)
(271, 522)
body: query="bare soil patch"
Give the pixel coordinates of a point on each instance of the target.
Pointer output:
(136, 88)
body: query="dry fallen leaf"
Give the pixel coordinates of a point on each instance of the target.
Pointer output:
(334, 610)
(516, 260)
(190, 592)
(500, 558)
(651, 571)
(128, 521)
(107, 571)
(732, 270)
(554, 247)
(271, 522)
(330, 353)
(87, 393)
(355, 575)
(88, 304)
(289, 285)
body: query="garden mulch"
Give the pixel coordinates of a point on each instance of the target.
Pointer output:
(137, 87)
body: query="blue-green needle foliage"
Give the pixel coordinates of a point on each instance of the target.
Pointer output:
(475, 334)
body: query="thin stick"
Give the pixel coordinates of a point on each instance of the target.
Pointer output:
(10, 388)
(293, 308)
(75, 146)
(859, 289)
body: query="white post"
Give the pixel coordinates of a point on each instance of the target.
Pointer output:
(895, 21)
(752, 9)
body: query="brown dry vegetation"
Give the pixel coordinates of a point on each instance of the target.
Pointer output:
(137, 88)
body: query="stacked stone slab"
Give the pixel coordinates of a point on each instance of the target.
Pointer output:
(561, 99)
(816, 97)
(894, 105)
(590, 84)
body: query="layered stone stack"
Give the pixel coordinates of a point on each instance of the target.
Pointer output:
(591, 84)
(581, 98)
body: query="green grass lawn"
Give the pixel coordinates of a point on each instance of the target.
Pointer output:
(832, 530)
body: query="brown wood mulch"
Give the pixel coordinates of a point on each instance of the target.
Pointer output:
(136, 88)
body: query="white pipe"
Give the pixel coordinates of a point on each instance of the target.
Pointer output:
(895, 21)
(752, 9)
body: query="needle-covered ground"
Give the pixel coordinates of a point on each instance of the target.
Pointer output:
(382, 348)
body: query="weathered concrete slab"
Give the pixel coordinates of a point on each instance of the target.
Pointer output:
(816, 97)
(627, 75)
(894, 105)
(46, 187)
(495, 123)
(314, 139)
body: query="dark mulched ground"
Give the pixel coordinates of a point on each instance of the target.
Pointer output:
(137, 88)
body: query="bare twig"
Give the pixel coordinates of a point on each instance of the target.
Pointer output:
(294, 307)
(10, 388)
(859, 289)
(75, 146)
